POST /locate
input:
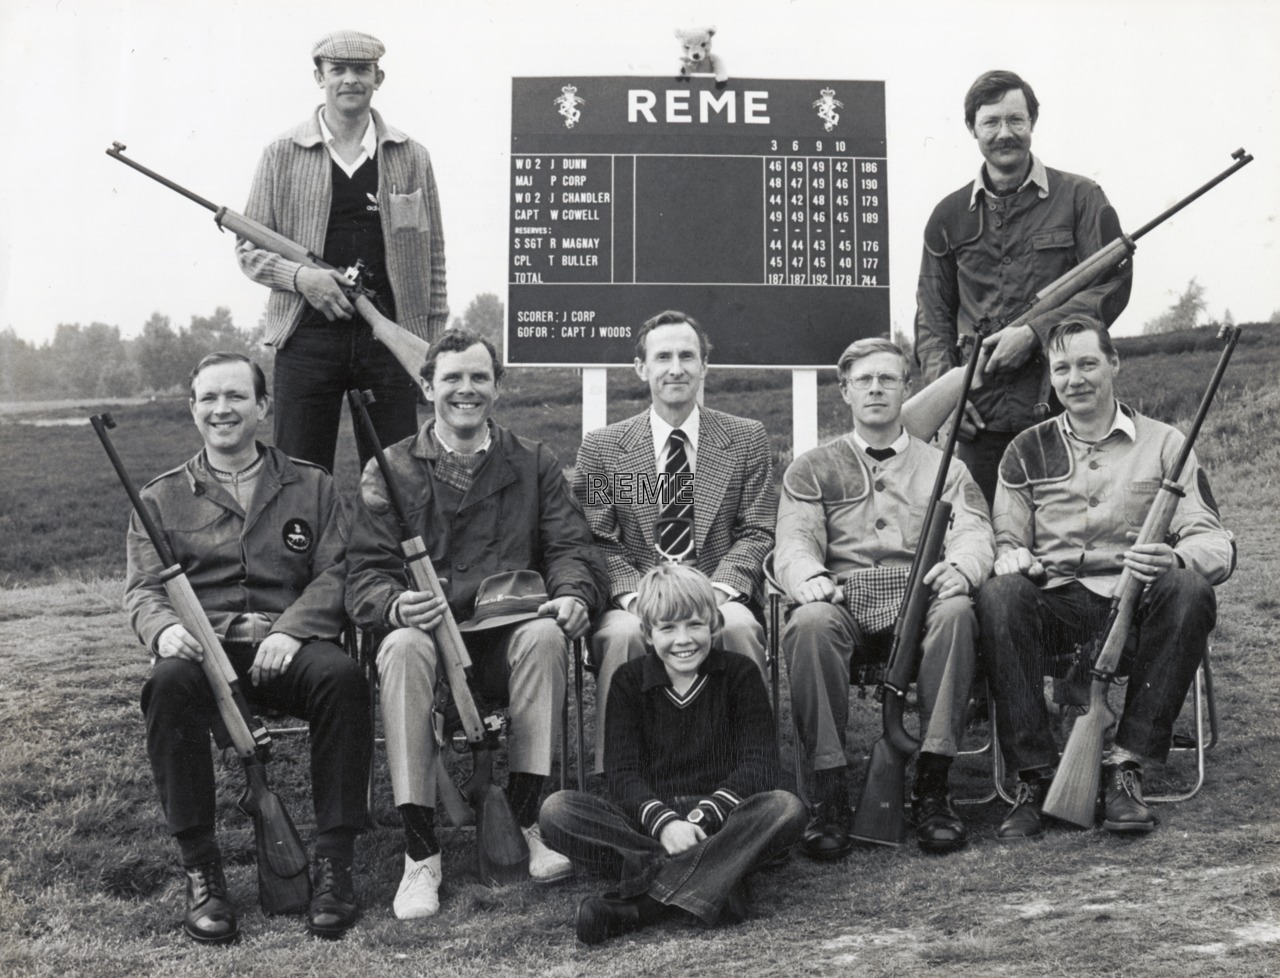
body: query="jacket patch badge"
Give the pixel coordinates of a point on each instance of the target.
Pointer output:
(298, 535)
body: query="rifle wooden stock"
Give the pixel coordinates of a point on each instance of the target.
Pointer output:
(1079, 278)
(1073, 794)
(924, 414)
(1110, 255)
(501, 849)
(284, 885)
(408, 349)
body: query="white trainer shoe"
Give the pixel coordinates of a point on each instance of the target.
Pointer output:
(419, 893)
(545, 864)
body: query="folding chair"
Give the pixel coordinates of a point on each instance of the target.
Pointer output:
(867, 676)
(1203, 709)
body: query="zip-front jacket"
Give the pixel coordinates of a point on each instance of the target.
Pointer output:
(283, 558)
(291, 194)
(986, 257)
(518, 515)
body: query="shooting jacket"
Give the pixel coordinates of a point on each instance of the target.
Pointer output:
(518, 515)
(1072, 503)
(291, 194)
(986, 257)
(283, 558)
(718, 744)
(841, 512)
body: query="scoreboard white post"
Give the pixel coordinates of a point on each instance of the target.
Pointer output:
(595, 398)
(804, 411)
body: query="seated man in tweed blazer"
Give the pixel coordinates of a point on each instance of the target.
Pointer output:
(638, 478)
(850, 517)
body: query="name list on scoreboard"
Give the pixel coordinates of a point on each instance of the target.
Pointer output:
(759, 208)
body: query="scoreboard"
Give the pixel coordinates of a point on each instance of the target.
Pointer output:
(758, 207)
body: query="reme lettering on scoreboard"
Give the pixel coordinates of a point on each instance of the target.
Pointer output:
(760, 208)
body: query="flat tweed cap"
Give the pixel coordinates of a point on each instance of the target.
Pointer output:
(348, 47)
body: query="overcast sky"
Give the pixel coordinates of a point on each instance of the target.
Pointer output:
(1148, 97)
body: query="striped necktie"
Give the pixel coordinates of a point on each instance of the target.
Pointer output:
(675, 521)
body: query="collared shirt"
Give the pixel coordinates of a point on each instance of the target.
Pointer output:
(1037, 175)
(368, 145)
(662, 435)
(1073, 503)
(484, 446)
(1120, 422)
(899, 444)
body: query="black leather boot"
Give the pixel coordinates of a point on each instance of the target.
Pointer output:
(334, 907)
(826, 836)
(1126, 810)
(938, 828)
(210, 917)
(603, 917)
(1023, 821)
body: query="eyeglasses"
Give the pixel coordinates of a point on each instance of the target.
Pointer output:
(1016, 123)
(889, 382)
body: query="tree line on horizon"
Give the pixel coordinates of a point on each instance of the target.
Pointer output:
(97, 361)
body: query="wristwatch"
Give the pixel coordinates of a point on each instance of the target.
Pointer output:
(697, 817)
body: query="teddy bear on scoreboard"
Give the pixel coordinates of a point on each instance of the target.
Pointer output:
(697, 57)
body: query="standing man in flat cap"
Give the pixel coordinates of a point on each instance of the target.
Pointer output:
(350, 188)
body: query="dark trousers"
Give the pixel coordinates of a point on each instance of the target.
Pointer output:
(982, 456)
(316, 367)
(706, 880)
(1027, 632)
(323, 685)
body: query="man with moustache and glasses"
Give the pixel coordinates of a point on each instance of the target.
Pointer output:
(988, 248)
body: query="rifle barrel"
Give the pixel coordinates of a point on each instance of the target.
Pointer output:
(1241, 159)
(101, 422)
(117, 151)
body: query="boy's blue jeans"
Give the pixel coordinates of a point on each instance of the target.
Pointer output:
(706, 880)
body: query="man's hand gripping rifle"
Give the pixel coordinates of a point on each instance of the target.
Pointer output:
(1073, 795)
(409, 350)
(283, 883)
(502, 851)
(878, 817)
(1103, 261)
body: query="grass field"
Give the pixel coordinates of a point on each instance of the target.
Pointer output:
(89, 883)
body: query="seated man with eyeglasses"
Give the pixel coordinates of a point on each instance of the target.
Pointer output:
(989, 247)
(849, 520)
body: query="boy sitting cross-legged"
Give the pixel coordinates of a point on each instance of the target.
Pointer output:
(692, 774)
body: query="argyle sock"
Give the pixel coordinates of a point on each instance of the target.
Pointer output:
(523, 792)
(419, 831)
